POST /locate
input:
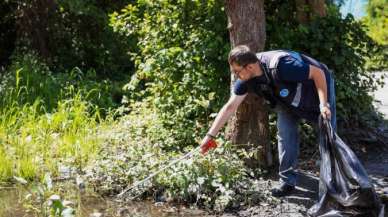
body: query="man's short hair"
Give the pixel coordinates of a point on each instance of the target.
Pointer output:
(242, 56)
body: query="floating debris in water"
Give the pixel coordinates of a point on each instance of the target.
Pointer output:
(20, 180)
(96, 214)
(80, 183)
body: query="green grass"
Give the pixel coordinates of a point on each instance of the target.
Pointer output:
(33, 143)
(39, 138)
(35, 139)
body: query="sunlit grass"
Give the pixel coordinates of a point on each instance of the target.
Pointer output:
(33, 141)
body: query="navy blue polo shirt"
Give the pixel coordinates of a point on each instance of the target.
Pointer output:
(290, 69)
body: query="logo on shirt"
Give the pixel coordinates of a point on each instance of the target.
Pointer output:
(284, 92)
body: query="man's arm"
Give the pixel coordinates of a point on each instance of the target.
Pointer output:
(319, 78)
(223, 115)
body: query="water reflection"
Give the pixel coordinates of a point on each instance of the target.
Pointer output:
(90, 204)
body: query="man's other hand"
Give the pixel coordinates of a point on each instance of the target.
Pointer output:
(325, 112)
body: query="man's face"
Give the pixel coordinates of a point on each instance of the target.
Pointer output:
(242, 72)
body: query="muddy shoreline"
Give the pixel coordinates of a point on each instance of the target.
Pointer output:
(296, 205)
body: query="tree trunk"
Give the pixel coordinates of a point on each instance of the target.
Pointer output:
(318, 7)
(249, 127)
(307, 9)
(302, 11)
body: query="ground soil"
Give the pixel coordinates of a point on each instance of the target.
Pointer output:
(374, 159)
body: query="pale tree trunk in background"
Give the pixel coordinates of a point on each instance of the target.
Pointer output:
(249, 127)
(306, 9)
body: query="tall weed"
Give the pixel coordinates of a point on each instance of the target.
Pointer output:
(46, 121)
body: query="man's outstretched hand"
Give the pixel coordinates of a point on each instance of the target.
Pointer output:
(207, 144)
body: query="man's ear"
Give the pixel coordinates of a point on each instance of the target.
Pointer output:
(249, 66)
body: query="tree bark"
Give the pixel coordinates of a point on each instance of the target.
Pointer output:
(249, 127)
(318, 7)
(307, 9)
(301, 11)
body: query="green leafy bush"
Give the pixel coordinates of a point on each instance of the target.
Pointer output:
(66, 34)
(377, 27)
(181, 71)
(216, 181)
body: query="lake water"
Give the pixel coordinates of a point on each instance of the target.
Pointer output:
(92, 205)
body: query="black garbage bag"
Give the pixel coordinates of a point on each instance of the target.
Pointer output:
(344, 186)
